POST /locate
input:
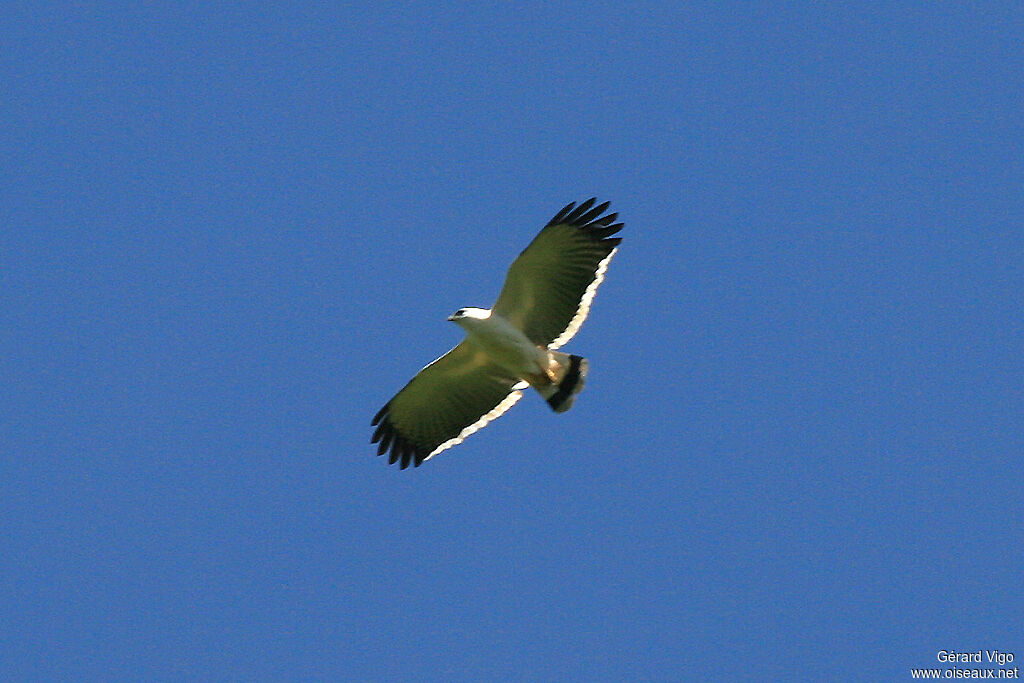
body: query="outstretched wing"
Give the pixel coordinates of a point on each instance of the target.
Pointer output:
(445, 402)
(550, 286)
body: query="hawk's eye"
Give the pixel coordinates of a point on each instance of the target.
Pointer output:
(461, 311)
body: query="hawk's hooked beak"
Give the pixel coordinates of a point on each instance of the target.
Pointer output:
(451, 318)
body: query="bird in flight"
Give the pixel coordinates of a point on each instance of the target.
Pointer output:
(546, 297)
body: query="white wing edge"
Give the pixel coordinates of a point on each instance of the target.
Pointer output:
(495, 413)
(584, 308)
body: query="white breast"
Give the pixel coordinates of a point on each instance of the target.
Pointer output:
(506, 345)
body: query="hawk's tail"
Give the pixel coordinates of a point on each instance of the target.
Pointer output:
(568, 373)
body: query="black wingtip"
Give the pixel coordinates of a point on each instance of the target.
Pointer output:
(593, 213)
(385, 443)
(380, 413)
(603, 233)
(574, 215)
(558, 217)
(397, 450)
(590, 220)
(402, 451)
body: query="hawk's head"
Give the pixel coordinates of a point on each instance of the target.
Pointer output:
(466, 314)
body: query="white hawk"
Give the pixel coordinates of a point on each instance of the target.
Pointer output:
(546, 297)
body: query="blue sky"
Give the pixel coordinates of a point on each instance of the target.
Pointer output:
(231, 233)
